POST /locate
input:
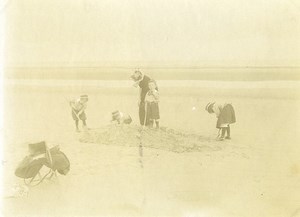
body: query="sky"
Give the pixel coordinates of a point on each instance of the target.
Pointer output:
(200, 33)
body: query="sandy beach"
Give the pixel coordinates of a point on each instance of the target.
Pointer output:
(257, 173)
(245, 53)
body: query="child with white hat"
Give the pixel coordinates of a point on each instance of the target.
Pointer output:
(120, 117)
(225, 114)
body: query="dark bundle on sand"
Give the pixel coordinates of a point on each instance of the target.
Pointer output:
(164, 139)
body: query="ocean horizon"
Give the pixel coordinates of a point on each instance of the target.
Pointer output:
(161, 83)
(157, 73)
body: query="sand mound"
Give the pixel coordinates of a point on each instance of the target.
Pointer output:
(164, 139)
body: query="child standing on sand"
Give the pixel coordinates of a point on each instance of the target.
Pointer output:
(78, 107)
(225, 114)
(152, 109)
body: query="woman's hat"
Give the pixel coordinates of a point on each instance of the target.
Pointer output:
(209, 106)
(136, 79)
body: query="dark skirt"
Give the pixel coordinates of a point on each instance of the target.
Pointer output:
(153, 111)
(142, 113)
(82, 116)
(227, 116)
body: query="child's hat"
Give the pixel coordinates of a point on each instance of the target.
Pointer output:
(209, 106)
(84, 96)
(115, 112)
(115, 115)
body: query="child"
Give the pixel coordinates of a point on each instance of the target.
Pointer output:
(226, 116)
(78, 107)
(152, 109)
(120, 117)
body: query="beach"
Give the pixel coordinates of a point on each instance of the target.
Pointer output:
(257, 173)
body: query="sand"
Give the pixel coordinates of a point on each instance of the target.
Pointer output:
(184, 172)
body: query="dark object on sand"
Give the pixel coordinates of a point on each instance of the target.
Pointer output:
(39, 156)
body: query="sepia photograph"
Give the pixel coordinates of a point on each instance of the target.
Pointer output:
(179, 108)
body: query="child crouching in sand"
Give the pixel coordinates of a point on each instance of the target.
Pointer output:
(225, 115)
(152, 109)
(78, 107)
(120, 117)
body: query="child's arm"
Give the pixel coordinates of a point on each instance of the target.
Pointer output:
(73, 111)
(147, 97)
(71, 103)
(82, 110)
(156, 95)
(79, 113)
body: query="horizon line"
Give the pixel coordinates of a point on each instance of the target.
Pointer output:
(163, 67)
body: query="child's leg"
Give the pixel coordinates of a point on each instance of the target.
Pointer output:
(76, 123)
(150, 123)
(228, 132)
(157, 123)
(223, 132)
(75, 118)
(82, 117)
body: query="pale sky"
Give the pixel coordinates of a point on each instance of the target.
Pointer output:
(152, 32)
